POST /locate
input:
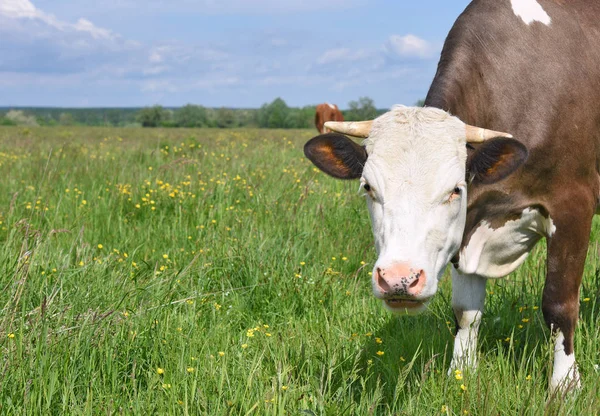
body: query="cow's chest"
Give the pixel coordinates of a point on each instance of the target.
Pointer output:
(495, 250)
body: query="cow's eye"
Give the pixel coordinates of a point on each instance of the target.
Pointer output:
(367, 187)
(455, 194)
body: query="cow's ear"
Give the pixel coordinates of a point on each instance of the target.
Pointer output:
(495, 159)
(336, 155)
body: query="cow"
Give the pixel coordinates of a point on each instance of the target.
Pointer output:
(327, 112)
(505, 152)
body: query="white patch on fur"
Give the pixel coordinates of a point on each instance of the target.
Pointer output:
(468, 296)
(417, 157)
(565, 374)
(494, 253)
(332, 106)
(530, 11)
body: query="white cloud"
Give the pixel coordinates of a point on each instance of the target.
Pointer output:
(17, 9)
(38, 42)
(24, 9)
(84, 25)
(339, 55)
(408, 46)
(155, 57)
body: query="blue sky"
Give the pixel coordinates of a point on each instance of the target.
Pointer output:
(235, 53)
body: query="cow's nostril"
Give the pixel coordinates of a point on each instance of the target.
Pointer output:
(414, 282)
(416, 278)
(381, 281)
(417, 284)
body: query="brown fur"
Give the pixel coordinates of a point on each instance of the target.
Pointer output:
(542, 84)
(325, 113)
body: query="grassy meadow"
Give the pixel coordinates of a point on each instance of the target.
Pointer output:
(216, 272)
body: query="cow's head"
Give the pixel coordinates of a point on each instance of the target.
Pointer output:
(414, 172)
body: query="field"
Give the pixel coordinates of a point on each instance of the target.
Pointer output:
(216, 272)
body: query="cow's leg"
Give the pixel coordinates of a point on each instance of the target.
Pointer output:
(567, 250)
(468, 298)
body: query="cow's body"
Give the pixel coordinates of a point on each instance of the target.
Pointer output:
(539, 81)
(527, 67)
(324, 113)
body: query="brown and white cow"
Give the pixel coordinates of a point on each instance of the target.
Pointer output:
(324, 113)
(436, 196)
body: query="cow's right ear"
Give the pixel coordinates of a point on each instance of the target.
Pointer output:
(336, 155)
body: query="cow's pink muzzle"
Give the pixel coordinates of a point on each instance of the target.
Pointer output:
(399, 285)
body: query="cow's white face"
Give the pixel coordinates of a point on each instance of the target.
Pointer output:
(413, 170)
(414, 181)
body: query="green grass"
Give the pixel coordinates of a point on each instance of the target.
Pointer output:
(224, 259)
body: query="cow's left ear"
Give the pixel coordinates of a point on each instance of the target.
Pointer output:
(336, 155)
(495, 159)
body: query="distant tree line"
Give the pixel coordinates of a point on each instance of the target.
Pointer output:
(33, 116)
(276, 114)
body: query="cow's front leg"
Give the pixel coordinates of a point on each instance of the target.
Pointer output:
(567, 250)
(468, 298)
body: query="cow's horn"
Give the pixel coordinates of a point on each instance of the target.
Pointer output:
(479, 135)
(351, 128)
